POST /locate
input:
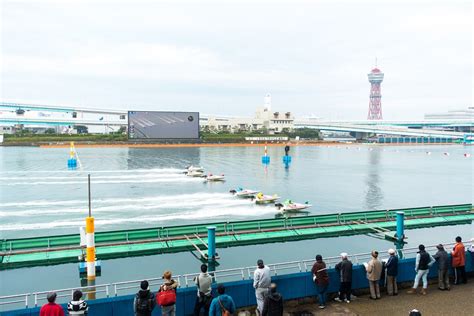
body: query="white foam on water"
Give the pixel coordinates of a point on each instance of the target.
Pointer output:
(209, 213)
(157, 199)
(75, 177)
(183, 179)
(133, 208)
(156, 170)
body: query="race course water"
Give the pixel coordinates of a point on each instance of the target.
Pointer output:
(139, 187)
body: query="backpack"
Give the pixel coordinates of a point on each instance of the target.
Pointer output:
(224, 312)
(144, 305)
(166, 297)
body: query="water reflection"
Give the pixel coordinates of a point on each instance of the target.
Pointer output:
(163, 157)
(374, 195)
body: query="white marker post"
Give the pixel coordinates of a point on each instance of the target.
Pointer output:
(90, 240)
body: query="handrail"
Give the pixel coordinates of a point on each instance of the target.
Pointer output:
(242, 272)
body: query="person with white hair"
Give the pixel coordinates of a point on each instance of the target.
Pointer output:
(392, 272)
(344, 268)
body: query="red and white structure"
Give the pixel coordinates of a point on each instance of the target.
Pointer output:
(375, 104)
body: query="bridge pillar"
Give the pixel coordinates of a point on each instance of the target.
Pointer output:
(359, 135)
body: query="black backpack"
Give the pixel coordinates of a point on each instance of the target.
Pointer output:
(144, 305)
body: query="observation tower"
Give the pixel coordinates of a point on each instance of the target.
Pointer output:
(375, 104)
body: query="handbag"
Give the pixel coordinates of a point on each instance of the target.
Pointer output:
(224, 312)
(166, 297)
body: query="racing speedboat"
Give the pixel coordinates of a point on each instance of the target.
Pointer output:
(215, 177)
(244, 193)
(193, 168)
(260, 198)
(290, 207)
(197, 174)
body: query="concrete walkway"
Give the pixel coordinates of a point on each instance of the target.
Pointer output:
(459, 301)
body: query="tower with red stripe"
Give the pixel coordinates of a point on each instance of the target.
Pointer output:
(375, 104)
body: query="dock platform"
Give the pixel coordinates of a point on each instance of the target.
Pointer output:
(47, 250)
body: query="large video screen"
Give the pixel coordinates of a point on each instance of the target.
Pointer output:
(163, 125)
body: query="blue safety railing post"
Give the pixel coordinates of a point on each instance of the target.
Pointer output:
(211, 243)
(400, 225)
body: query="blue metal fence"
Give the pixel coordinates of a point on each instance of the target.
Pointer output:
(291, 286)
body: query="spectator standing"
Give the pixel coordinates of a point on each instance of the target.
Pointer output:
(422, 266)
(261, 284)
(223, 304)
(273, 305)
(321, 280)
(459, 261)
(344, 268)
(204, 291)
(77, 306)
(392, 272)
(144, 301)
(441, 256)
(374, 272)
(51, 308)
(167, 288)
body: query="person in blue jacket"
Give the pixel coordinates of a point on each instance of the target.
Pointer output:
(222, 304)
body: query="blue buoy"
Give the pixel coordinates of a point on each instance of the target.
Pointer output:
(72, 163)
(82, 266)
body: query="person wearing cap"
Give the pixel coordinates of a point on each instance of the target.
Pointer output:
(222, 303)
(422, 267)
(459, 261)
(441, 257)
(51, 308)
(144, 301)
(77, 306)
(169, 284)
(321, 279)
(344, 268)
(261, 284)
(374, 272)
(273, 305)
(392, 272)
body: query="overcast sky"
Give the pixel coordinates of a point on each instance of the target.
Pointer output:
(313, 57)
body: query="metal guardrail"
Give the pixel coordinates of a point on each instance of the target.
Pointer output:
(187, 280)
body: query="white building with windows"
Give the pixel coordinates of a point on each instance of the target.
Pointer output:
(264, 119)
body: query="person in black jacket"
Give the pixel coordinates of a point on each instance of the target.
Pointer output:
(273, 304)
(344, 268)
(392, 272)
(144, 301)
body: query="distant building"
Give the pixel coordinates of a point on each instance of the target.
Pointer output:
(264, 120)
(466, 114)
(68, 120)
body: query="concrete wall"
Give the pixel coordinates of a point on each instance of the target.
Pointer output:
(292, 286)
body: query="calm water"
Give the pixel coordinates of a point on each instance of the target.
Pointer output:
(134, 187)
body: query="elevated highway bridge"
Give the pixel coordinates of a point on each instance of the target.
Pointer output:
(388, 128)
(45, 115)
